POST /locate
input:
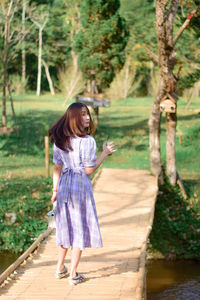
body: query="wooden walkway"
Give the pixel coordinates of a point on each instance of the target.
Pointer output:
(125, 201)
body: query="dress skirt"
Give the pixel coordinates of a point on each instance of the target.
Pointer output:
(76, 217)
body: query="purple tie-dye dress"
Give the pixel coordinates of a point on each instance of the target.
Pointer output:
(76, 217)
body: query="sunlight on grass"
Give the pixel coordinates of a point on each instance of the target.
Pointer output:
(125, 122)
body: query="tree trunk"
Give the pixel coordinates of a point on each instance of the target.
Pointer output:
(171, 80)
(166, 58)
(39, 62)
(23, 47)
(13, 110)
(125, 93)
(154, 140)
(5, 65)
(170, 147)
(23, 70)
(41, 27)
(165, 15)
(4, 122)
(49, 78)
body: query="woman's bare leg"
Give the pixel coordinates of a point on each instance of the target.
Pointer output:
(61, 258)
(76, 255)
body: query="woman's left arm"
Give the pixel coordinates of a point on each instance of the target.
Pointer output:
(56, 178)
(107, 150)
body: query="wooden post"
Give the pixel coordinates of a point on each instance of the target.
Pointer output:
(46, 141)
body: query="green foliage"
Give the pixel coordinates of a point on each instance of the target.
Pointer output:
(189, 80)
(16, 84)
(101, 41)
(176, 227)
(140, 18)
(56, 46)
(28, 201)
(124, 83)
(56, 35)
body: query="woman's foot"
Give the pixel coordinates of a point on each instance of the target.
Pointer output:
(77, 279)
(61, 274)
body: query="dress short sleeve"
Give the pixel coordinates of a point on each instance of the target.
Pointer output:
(88, 152)
(57, 159)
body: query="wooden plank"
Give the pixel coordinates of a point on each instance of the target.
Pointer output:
(116, 271)
(20, 259)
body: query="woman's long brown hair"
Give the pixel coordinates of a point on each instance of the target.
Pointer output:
(70, 125)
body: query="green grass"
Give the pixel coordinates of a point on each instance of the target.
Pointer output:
(125, 122)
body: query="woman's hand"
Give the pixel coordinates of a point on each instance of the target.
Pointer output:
(108, 148)
(54, 197)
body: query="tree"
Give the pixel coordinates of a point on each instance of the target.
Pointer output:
(55, 43)
(166, 12)
(70, 76)
(101, 41)
(140, 17)
(176, 60)
(12, 35)
(23, 45)
(40, 19)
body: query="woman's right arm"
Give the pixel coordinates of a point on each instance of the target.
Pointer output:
(56, 178)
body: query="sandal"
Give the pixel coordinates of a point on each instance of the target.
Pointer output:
(78, 279)
(61, 274)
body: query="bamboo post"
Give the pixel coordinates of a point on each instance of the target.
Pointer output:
(46, 141)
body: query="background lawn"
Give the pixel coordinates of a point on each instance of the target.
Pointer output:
(125, 122)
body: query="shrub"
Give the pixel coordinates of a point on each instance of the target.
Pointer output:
(71, 82)
(124, 84)
(16, 84)
(176, 227)
(23, 207)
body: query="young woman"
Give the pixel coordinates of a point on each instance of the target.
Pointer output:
(74, 157)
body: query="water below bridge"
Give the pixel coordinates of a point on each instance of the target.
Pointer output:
(173, 280)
